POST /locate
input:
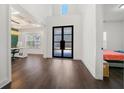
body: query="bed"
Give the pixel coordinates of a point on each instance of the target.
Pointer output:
(115, 59)
(112, 55)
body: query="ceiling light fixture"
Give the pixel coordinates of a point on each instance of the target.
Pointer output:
(121, 6)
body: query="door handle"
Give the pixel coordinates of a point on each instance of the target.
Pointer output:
(62, 44)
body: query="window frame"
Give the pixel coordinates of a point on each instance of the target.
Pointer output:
(34, 42)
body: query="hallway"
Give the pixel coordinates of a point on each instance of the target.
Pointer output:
(35, 72)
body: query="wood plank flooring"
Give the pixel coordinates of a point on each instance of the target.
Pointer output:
(35, 72)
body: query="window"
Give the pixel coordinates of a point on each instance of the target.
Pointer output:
(33, 40)
(104, 36)
(64, 9)
(104, 40)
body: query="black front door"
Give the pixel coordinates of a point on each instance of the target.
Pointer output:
(63, 41)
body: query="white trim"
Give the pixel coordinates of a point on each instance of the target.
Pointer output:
(9, 45)
(7, 78)
(5, 82)
(89, 70)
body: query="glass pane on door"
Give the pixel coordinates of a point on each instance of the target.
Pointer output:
(67, 30)
(58, 53)
(67, 37)
(67, 53)
(57, 38)
(57, 31)
(68, 46)
(56, 45)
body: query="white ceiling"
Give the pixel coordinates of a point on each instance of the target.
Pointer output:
(38, 11)
(33, 15)
(113, 12)
(20, 19)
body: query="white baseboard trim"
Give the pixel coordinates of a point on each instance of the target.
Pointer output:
(93, 75)
(4, 83)
(88, 69)
(98, 78)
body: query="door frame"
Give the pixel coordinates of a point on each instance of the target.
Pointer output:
(62, 37)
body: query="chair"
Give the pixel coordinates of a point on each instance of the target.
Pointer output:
(13, 52)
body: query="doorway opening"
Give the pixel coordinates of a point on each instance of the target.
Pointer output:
(63, 41)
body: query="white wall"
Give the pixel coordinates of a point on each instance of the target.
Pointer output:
(114, 26)
(33, 30)
(99, 42)
(5, 59)
(91, 51)
(114, 31)
(123, 37)
(89, 38)
(113, 12)
(63, 21)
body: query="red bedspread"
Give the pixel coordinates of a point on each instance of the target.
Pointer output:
(111, 55)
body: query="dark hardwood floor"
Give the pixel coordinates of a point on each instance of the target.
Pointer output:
(35, 72)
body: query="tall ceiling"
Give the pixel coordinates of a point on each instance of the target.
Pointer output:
(21, 18)
(39, 11)
(31, 15)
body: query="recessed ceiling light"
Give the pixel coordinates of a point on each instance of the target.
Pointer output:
(121, 6)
